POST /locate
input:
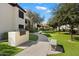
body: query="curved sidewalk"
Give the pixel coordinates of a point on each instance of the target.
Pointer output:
(41, 48)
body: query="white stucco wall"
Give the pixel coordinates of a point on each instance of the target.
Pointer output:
(6, 17)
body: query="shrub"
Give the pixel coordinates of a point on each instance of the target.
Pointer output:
(5, 35)
(34, 30)
(33, 37)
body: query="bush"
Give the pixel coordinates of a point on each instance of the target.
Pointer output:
(5, 35)
(42, 29)
(34, 30)
(33, 37)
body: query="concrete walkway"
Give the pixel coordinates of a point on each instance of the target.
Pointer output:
(39, 48)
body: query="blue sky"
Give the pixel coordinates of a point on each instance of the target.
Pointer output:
(44, 9)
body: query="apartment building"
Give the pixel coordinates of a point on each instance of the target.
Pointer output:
(12, 17)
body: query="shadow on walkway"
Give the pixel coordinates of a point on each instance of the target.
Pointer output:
(28, 43)
(41, 38)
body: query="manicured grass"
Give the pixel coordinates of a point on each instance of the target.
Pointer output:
(6, 50)
(33, 37)
(71, 47)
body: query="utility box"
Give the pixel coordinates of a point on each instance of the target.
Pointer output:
(14, 38)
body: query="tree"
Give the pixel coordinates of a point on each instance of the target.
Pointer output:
(67, 14)
(70, 12)
(34, 18)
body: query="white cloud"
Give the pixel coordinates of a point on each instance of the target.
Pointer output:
(48, 11)
(41, 8)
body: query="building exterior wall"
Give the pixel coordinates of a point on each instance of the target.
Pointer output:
(10, 21)
(18, 20)
(9, 18)
(6, 17)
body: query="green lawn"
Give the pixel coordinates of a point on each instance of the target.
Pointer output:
(71, 47)
(33, 37)
(6, 50)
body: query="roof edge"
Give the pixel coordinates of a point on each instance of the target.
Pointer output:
(17, 5)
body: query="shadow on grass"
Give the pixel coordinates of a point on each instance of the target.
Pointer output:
(76, 38)
(48, 35)
(66, 33)
(49, 31)
(60, 48)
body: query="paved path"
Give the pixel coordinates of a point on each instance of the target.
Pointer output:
(39, 48)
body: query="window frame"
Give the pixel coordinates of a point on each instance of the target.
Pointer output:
(21, 14)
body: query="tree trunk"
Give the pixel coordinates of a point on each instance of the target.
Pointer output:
(71, 33)
(59, 28)
(72, 37)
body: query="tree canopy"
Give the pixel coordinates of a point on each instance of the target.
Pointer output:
(67, 13)
(35, 17)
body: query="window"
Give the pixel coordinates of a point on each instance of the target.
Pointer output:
(21, 14)
(26, 21)
(21, 26)
(22, 31)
